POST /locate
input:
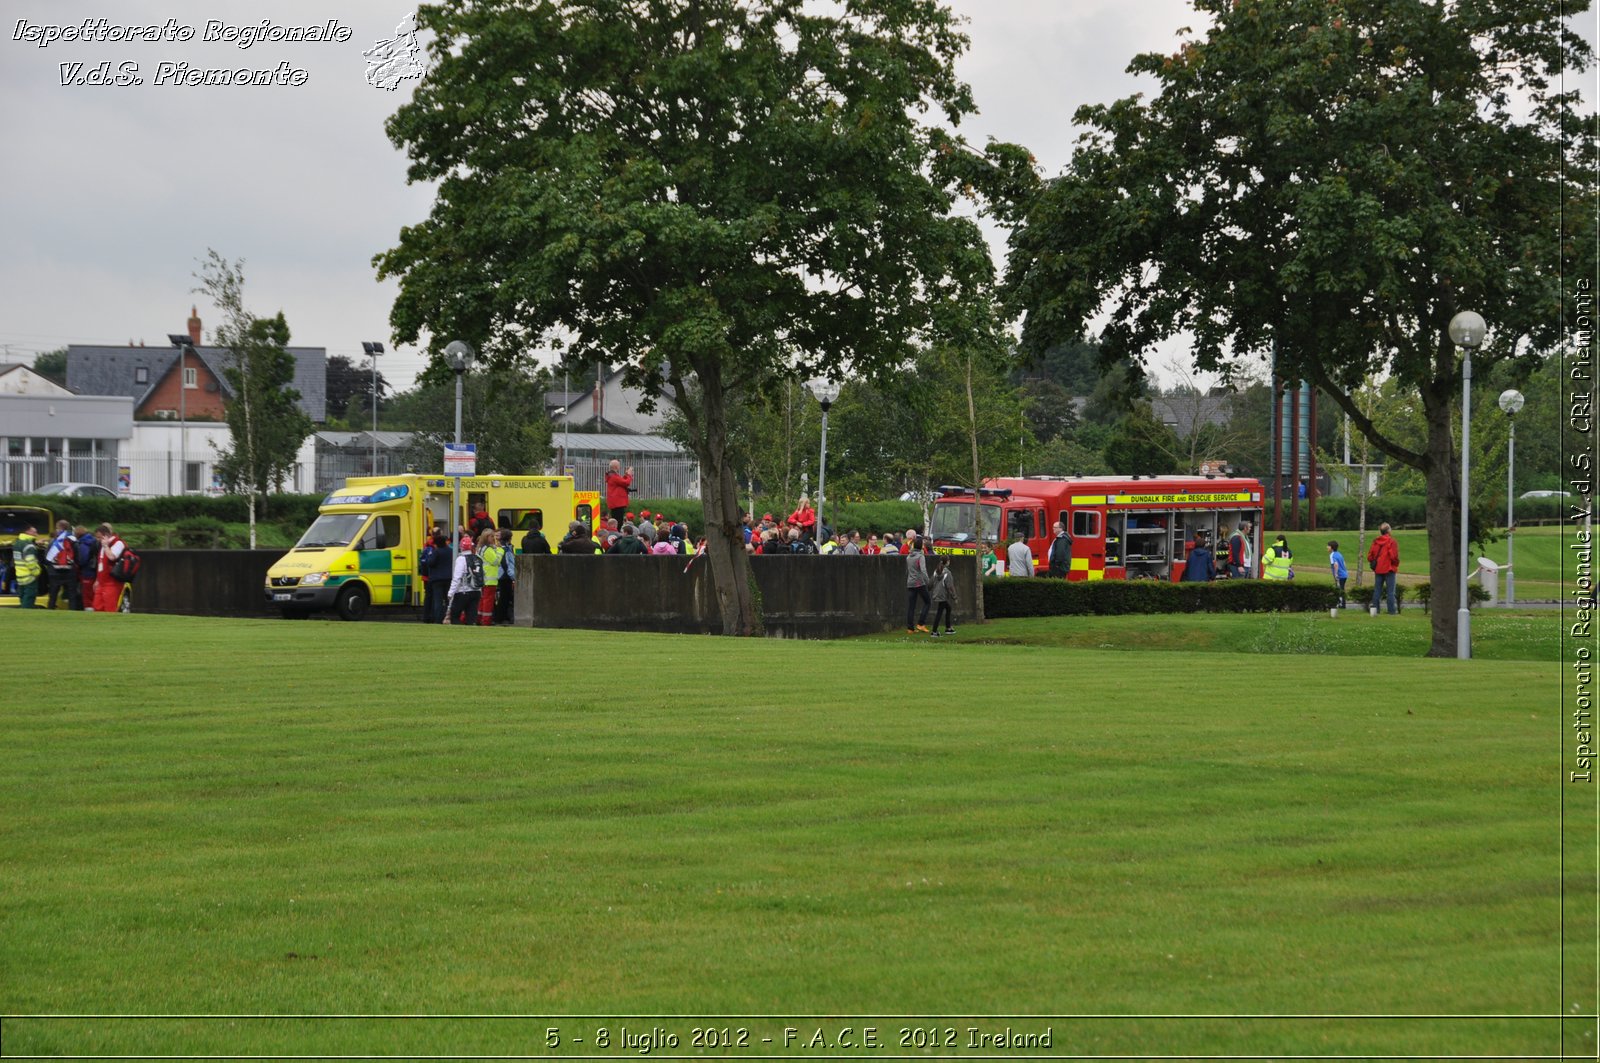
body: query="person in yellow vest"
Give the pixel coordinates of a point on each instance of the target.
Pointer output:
(1275, 561)
(26, 568)
(492, 553)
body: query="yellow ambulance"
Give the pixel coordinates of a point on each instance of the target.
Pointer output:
(362, 549)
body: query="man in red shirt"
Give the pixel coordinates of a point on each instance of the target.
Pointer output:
(1383, 556)
(618, 485)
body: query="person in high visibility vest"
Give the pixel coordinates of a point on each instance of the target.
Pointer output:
(1275, 562)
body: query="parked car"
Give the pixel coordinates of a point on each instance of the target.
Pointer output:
(1545, 494)
(76, 490)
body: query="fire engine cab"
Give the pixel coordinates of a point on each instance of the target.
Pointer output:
(1122, 527)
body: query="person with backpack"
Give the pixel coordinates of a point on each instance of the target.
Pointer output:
(1383, 557)
(62, 557)
(109, 575)
(88, 562)
(505, 600)
(466, 586)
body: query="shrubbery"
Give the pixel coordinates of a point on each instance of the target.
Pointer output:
(299, 510)
(1008, 597)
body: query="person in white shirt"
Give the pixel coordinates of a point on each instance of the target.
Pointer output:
(1019, 557)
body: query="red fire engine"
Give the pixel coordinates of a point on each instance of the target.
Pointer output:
(1122, 527)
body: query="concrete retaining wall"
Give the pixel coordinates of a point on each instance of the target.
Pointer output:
(801, 597)
(204, 582)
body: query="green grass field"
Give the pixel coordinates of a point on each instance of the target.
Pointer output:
(1140, 819)
(1538, 558)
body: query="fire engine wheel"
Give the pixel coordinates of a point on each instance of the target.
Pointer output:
(353, 602)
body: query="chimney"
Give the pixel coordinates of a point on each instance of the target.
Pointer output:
(194, 325)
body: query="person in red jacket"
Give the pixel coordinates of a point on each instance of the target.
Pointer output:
(618, 485)
(804, 518)
(1383, 557)
(107, 588)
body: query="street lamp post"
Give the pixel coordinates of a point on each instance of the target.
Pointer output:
(826, 392)
(1466, 331)
(459, 354)
(185, 347)
(372, 351)
(1511, 401)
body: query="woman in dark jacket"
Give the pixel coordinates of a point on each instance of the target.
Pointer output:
(1202, 567)
(436, 571)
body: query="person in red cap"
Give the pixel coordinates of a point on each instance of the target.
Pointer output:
(618, 485)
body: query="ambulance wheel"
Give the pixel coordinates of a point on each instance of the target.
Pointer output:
(353, 602)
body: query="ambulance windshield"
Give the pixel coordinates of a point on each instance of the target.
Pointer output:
(953, 520)
(331, 529)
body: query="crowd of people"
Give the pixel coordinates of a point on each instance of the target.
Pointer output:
(76, 568)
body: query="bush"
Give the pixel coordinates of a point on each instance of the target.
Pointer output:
(1476, 595)
(199, 533)
(300, 510)
(1009, 597)
(1402, 511)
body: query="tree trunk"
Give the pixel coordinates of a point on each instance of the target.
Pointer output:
(1444, 529)
(719, 501)
(977, 482)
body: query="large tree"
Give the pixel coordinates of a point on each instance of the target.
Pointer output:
(710, 193)
(1335, 179)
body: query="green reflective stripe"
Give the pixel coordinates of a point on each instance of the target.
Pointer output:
(401, 593)
(374, 560)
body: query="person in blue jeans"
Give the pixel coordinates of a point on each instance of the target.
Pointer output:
(1337, 566)
(1383, 556)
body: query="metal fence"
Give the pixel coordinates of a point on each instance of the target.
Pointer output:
(653, 477)
(150, 473)
(23, 474)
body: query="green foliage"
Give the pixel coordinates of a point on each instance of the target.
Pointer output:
(296, 510)
(1007, 597)
(199, 531)
(1333, 182)
(717, 196)
(1476, 595)
(349, 392)
(264, 418)
(502, 411)
(1141, 444)
(1402, 511)
(52, 365)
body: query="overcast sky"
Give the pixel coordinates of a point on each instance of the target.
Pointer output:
(112, 194)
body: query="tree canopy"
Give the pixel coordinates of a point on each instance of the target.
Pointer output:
(1332, 180)
(717, 195)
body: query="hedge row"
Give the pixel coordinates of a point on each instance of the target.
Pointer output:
(1007, 597)
(299, 510)
(1410, 511)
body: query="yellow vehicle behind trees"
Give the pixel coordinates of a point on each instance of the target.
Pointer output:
(362, 549)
